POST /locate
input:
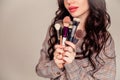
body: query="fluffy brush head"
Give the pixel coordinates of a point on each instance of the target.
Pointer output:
(66, 21)
(57, 26)
(76, 19)
(79, 34)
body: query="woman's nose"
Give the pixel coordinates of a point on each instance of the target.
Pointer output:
(69, 1)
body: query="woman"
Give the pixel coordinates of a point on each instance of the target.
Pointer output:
(92, 57)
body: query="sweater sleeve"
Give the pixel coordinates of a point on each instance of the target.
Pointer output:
(46, 67)
(107, 72)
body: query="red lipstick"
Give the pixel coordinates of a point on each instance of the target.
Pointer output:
(72, 8)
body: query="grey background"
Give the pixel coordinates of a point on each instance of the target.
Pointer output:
(23, 25)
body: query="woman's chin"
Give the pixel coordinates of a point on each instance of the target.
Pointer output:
(74, 15)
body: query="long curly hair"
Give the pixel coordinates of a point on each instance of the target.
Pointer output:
(96, 25)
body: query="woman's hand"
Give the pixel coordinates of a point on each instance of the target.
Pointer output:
(69, 52)
(58, 56)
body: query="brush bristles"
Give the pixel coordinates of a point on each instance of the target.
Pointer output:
(76, 19)
(57, 26)
(66, 21)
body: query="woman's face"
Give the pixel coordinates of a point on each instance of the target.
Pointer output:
(77, 8)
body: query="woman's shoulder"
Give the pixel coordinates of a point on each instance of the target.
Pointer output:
(109, 41)
(109, 48)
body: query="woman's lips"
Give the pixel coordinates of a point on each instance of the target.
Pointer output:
(72, 9)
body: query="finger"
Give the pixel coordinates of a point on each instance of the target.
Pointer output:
(67, 54)
(60, 57)
(59, 61)
(67, 60)
(69, 49)
(71, 45)
(55, 55)
(58, 46)
(58, 51)
(58, 54)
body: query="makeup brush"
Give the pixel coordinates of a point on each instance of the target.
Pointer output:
(61, 30)
(79, 34)
(66, 22)
(76, 22)
(70, 31)
(57, 27)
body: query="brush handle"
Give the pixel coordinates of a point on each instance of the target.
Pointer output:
(65, 34)
(75, 25)
(58, 36)
(72, 34)
(69, 34)
(65, 31)
(61, 33)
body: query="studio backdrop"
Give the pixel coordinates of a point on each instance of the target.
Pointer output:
(23, 26)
